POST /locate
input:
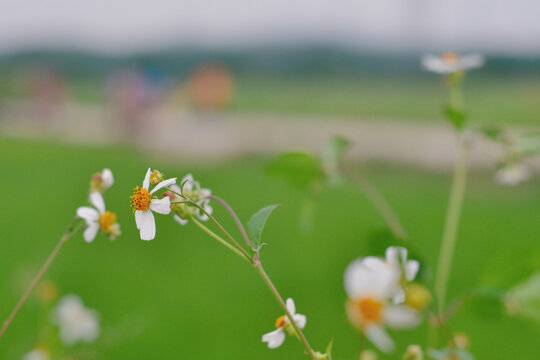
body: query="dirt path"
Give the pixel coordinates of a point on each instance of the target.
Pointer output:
(213, 137)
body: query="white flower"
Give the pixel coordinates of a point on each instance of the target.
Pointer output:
(37, 354)
(192, 190)
(102, 181)
(283, 325)
(370, 283)
(143, 204)
(76, 322)
(98, 217)
(512, 174)
(397, 257)
(450, 62)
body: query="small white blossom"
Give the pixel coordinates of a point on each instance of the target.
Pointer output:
(37, 354)
(75, 321)
(283, 325)
(144, 203)
(370, 284)
(511, 175)
(450, 62)
(102, 181)
(397, 257)
(98, 217)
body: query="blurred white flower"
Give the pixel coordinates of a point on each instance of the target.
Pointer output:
(451, 62)
(98, 217)
(283, 325)
(370, 283)
(102, 181)
(75, 321)
(143, 204)
(397, 257)
(37, 354)
(511, 175)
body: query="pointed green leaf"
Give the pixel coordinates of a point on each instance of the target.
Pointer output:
(457, 117)
(256, 224)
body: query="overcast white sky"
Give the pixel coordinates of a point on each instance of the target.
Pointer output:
(123, 26)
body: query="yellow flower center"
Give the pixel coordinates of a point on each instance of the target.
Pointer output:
(107, 220)
(449, 56)
(140, 200)
(280, 321)
(370, 309)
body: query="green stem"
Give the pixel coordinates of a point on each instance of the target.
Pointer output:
(279, 299)
(65, 237)
(451, 223)
(218, 238)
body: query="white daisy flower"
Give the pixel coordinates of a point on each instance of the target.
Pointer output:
(37, 354)
(397, 257)
(76, 322)
(511, 175)
(143, 204)
(97, 218)
(451, 62)
(283, 325)
(370, 283)
(102, 181)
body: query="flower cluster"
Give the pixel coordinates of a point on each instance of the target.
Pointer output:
(193, 191)
(284, 326)
(451, 62)
(377, 295)
(97, 217)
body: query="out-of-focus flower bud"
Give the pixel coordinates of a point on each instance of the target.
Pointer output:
(417, 296)
(462, 340)
(413, 352)
(156, 177)
(368, 355)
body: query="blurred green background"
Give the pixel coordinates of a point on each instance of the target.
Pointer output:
(184, 296)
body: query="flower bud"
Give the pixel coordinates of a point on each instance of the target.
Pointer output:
(156, 177)
(368, 355)
(414, 352)
(462, 340)
(417, 296)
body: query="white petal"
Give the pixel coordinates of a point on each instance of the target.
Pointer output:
(88, 214)
(471, 61)
(411, 269)
(97, 200)
(187, 182)
(138, 216)
(178, 219)
(161, 206)
(91, 232)
(396, 255)
(371, 277)
(300, 320)
(175, 188)
(148, 225)
(274, 338)
(435, 64)
(146, 181)
(378, 336)
(205, 193)
(107, 178)
(399, 296)
(290, 306)
(400, 316)
(163, 184)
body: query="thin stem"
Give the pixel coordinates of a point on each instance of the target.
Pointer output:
(65, 237)
(278, 297)
(235, 218)
(451, 223)
(218, 238)
(380, 203)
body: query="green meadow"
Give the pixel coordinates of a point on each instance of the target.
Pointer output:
(184, 296)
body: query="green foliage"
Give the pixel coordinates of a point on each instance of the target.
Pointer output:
(487, 303)
(255, 225)
(457, 117)
(299, 169)
(491, 131)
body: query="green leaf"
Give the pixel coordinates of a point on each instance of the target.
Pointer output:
(491, 131)
(299, 169)
(455, 116)
(528, 144)
(256, 224)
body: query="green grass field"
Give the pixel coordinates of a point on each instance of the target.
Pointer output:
(184, 296)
